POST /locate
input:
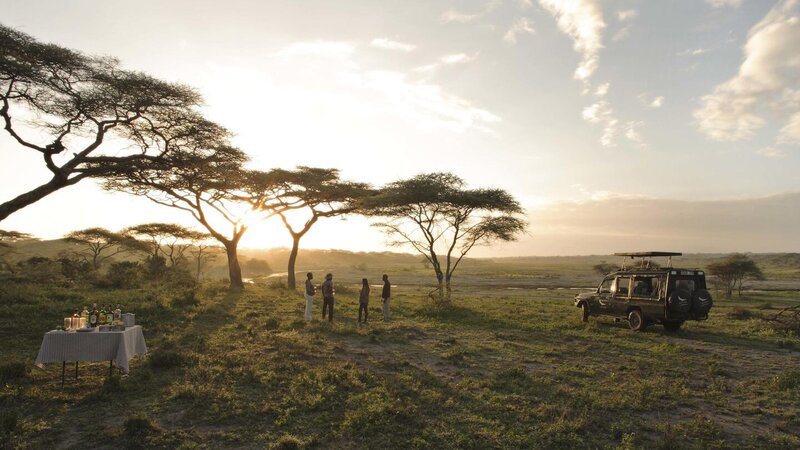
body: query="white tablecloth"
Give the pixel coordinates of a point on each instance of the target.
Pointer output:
(119, 346)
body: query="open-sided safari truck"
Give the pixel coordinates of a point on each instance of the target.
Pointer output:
(646, 293)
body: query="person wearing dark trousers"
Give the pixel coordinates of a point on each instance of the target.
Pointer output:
(310, 291)
(327, 297)
(385, 296)
(363, 300)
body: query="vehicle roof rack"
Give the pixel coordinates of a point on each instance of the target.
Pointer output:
(648, 255)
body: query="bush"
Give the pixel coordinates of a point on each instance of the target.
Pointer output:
(186, 299)
(8, 422)
(74, 269)
(122, 275)
(39, 269)
(138, 425)
(166, 359)
(789, 379)
(12, 371)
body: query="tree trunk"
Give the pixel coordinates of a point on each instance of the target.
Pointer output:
(448, 289)
(234, 270)
(291, 282)
(33, 196)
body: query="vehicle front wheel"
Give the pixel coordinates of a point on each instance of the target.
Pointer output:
(635, 320)
(584, 312)
(673, 325)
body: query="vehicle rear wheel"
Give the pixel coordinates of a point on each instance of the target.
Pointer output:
(636, 321)
(673, 325)
(584, 312)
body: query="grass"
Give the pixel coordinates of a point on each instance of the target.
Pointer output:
(494, 370)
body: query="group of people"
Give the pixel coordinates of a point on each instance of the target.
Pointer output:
(328, 293)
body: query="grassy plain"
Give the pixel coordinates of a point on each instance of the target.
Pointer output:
(498, 369)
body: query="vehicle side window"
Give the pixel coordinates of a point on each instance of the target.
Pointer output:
(621, 286)
(645, 286)
(605, 286)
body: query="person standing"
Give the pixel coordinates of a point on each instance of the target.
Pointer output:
(363, 300)
(310, 291)
(385, 296)
(327, 297)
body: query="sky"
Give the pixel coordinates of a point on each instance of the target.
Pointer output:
(620, 125)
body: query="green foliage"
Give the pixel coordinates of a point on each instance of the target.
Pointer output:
(122, 275)
(730, 272)
(786, 380)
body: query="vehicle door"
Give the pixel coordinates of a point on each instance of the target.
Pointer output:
(604, 296)
(644, 294)
(620, 295)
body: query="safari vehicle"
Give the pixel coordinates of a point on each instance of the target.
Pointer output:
(647, 294)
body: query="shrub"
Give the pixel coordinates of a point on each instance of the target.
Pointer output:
(40, 270)
(12, 371)
(8, 422)
(186, 299)
(122, 275)
(166, 359)
(138, 425)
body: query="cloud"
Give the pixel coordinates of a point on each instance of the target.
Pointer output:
(651, 101)
(770, 152)
(614, 222)
(602, 89)
(693, 51)
(769, 73)
(582, 21)
(790, 134)
(372, 91)
(626, 14)
(632, 133)
(453, 15)
(724, 3)
(333, 49)
(521, 26)
(457, 58)
(388, 44)
(428, 104)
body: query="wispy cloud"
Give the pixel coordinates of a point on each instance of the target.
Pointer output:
(651, 101)
(388, 44)
(602, 89)
(771, 152)
(428, 104)
(790, 134)
(693, 51)
(632, 133)
(724, 3)
(457, 58)
(582, 21)
(626, 14)
(521, 26)
(454, 15)
(770, 71)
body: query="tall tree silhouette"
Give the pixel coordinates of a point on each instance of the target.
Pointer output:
(436, 215)
(317, 192)
(206, 184)
(88, 117)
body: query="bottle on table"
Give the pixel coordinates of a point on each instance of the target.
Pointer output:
(93, 319)
(110, 315)
(102, 317)
(118, 313)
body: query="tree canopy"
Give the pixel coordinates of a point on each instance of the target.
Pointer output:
(436, 215)
(730, 272)
(92, 117)
(206, 183)
(99, 244)
(311, 192)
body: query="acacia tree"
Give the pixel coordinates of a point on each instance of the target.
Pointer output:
(206, 184)
(319, 192)
(170, 239)
(86, 116)
(99, 244)
(442, 220)
(731, 271)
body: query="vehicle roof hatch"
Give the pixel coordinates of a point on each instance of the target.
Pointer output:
(647, 256)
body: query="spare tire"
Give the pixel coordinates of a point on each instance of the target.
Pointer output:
(701, 301)
(680, 300)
